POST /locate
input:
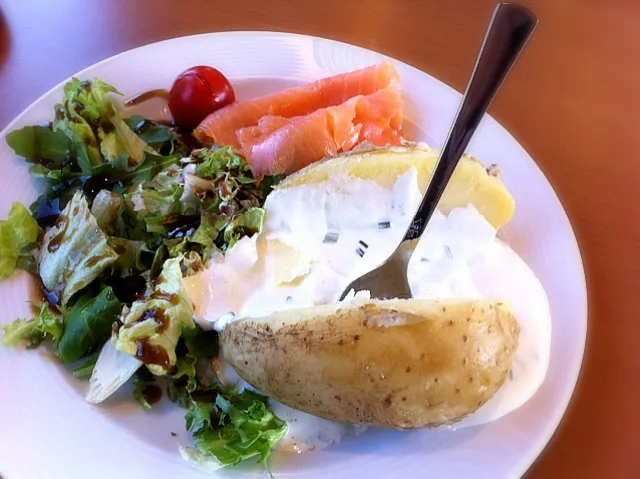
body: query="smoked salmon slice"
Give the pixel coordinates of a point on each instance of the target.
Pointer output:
(296, 141)
(220, 127)
(380, 115)
(278, 145)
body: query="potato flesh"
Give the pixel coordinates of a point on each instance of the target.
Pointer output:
(402, 364)
(471, 182)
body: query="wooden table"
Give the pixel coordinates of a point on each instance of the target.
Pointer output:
(573, 103)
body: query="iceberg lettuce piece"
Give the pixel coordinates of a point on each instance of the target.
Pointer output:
(151, 328)
(74, 251)
(113, 368)
(244, 224)
(106, 209)
(158, 197)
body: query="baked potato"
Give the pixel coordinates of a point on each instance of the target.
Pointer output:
(471, 183)
(403, 364)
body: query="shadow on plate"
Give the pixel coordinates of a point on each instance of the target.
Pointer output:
(163, 427)
(375, 443)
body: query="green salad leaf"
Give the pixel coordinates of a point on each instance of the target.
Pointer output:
(53, 176)
(157, 135)
(84, 104)
(23, 225)
(185, 372)
(179, 394)
(193, 368)
(40, 142)
(244, 224)
(106, 210)
(268, 183)
(126, 142)
(201, 415)
(151, 328)
(236, 427)
(75, 251)
(46, 324)
(89, 117)
(221, 160)
(194, 262)
(17, 232)
(9, 249)
(150, 167)
(85, 369)
(28, 259)
(201, 343)
(160, 256)
(155, 225)
(157, 197)
(46, 208)
(56, 155)
(133, 256)
(88, 324)
(196, 190)
(142, 384)
(208, 231)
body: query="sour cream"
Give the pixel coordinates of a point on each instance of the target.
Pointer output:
(317, 238)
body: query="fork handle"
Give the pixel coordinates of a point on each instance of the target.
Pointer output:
(508, 32)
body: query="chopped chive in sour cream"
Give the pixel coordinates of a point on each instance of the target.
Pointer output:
(331, 237)
(360, 250)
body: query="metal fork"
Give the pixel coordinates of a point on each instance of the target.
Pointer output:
(508, 32)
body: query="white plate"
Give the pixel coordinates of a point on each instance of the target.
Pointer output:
(47, 430)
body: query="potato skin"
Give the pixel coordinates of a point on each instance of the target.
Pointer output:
(403, 364)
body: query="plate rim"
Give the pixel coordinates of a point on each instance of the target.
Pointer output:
(554, 422)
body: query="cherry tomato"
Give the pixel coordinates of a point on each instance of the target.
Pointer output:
(196, 93)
